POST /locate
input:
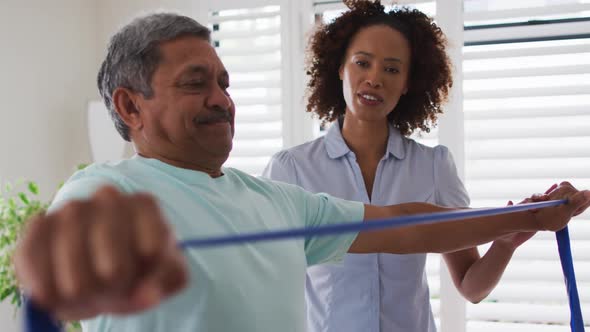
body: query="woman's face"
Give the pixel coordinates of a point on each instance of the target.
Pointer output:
(375, 72)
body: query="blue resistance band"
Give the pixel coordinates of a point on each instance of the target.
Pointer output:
(37, 320)
(567, 265)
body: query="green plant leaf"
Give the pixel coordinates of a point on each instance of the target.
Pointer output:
(16, 207)
(33, 188)
(23, 198)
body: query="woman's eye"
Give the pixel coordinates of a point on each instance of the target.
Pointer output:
(392, 70)
(362, 63)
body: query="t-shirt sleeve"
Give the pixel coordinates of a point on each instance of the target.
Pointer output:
(281, 167)
(322, 210)
(450, 190)
(318, 210)
(81, 186)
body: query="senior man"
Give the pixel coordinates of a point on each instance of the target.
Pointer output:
(107, 250)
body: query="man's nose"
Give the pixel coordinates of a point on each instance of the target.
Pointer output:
(219, 99)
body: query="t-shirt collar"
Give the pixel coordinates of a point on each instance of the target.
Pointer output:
(184, 174)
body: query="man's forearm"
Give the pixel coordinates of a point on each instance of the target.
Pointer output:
(438, 237)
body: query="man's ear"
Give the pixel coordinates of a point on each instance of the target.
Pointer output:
(125, 104)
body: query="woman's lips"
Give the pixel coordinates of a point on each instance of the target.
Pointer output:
(369, 99)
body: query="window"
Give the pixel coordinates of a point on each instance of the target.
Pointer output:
(526, 86)
(248, 41)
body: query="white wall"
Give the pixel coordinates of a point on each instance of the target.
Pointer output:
(48, 65)
(112, 14)
(49, 58)
(48, 68)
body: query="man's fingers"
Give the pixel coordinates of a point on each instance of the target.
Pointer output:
(33, 264)
(169, 276)
(70, 256)
(74, 312)
(111, 240)
(111, 253)
(173, 273)
(152, 234)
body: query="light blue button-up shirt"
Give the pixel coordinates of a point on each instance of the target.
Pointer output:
(372, 292)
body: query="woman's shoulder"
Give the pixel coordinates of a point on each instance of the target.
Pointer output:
(303, 152)
(420, 150)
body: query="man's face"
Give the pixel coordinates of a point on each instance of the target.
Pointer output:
(190, 118)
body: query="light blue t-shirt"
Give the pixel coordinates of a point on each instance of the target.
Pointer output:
(247, 288)
(373, 292)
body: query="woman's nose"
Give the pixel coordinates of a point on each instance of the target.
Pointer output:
(373, 79)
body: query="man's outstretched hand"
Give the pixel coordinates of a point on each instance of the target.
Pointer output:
(113, 253)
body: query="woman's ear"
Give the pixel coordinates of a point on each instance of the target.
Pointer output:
(125, 104)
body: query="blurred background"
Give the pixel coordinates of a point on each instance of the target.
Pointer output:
(518, 121)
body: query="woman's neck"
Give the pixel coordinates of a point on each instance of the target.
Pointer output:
(367, 139)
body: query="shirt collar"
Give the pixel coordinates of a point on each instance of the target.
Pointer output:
(336, 146)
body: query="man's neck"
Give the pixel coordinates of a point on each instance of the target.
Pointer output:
(213, 169)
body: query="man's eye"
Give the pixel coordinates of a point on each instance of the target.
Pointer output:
(193, 84)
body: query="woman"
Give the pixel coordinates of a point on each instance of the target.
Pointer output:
(379, 76)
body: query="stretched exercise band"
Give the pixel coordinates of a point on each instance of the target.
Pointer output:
(37, 320)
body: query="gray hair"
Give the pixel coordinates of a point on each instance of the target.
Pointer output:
(133, 56)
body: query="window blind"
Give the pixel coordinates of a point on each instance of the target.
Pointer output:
(526, 73)
(248, 41)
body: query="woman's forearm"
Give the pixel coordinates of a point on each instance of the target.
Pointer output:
(484, 274)
(437, 237)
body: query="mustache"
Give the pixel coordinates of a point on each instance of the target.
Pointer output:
(219, 115)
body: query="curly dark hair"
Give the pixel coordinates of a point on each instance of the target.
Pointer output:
(430, 76)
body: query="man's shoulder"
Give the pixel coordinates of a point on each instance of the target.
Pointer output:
(263, 185)
(115, 171)
(249, 180)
